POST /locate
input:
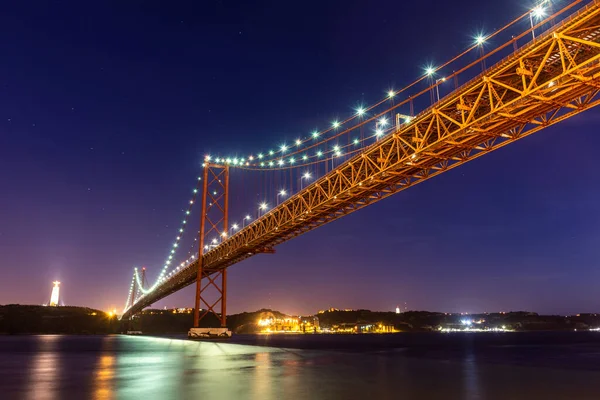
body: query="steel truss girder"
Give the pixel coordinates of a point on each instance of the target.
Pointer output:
(553, 78)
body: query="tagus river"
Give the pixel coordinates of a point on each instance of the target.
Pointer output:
(402, 366)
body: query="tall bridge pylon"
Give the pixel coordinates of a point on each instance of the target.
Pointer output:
(211, 284)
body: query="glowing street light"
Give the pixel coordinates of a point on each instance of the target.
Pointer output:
(246, 218)
(282, 192)
(429, 71)
(479, 40)
(262, 207)
(383, 121)
(437, 87)
(537, 13)
(306, 176)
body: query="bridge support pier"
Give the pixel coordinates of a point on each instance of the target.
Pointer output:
(213, 220)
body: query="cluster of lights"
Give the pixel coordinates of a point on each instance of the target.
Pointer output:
(127, 304)
(165, 269)
(267, 160)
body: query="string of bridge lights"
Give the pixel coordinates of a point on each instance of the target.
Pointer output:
(175, 246)
(276, 159)
(127, 302)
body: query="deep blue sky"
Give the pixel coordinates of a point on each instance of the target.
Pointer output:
(106, 109)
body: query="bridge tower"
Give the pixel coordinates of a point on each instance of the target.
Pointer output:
(211, 284)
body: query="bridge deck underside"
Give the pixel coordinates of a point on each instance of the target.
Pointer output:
(549, 80)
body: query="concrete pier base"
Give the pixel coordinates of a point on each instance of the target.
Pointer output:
(209, 333)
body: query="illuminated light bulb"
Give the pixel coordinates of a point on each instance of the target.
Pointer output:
(429, 71)
(247, 163)
(391, 94)
(378, 132)
(383, 121)
(479, 40)
(270, 163)
(271, 152)
(215, 193)
(234, 226)
(282, 192)
(195, 190)
(224, 234)
(191, 201)
(306, 175)
(315, 134)
(336, 148)
(228, 161)
(263, 206)
(235, 161)
(283, 148)
(178, 237)
(298, 142)
(207, 158)
(319, 153)
(336, 124)
(538, 11)
(187, 212)
(206, 247)
(304, 157)
(360, 111)
(292, 160)
(203, 165)
(251, 158)
(338, 153)
(242, 160)
(175, 245)
(260, 156)
(262, 164)
(214, 240)
(355, 141)
(280, 161)
(184, 221)
(180, 230)
(407, 119)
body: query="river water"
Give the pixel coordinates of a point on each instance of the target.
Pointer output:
(402, 366)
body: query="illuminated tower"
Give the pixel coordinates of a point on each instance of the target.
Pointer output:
(54, 296)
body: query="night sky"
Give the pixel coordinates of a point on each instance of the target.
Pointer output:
(107, 109)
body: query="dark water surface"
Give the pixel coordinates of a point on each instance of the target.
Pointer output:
(401, 366)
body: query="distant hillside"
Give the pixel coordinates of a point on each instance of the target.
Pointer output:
(29, 319)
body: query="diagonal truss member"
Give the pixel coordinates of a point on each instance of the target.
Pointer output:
(213, 220)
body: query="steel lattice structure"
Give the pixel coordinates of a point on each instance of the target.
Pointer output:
(553, 78)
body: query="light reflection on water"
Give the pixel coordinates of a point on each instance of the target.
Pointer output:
(123, 367)
(45, 370)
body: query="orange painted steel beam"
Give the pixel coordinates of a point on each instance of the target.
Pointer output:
(553, 78)
(215, 190)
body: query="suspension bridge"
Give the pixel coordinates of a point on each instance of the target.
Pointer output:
(529, 80)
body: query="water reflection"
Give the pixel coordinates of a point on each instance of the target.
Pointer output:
(104, 377)
(261, 385)
(67, 367)
(45, 370)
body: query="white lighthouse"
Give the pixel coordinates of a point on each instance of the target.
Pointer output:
(55, 293)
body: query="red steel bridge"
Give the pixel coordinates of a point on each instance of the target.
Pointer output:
(543, 69)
